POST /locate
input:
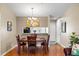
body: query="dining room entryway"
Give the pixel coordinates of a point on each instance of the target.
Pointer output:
(52, 29)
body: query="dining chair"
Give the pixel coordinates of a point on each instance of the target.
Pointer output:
(46, 43)
(31, 43)
(19, 43)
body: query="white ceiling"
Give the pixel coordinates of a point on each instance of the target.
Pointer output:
(40, 9)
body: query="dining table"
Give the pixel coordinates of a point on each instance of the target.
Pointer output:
(38, 40)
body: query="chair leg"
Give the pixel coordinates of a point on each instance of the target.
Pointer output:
(46, 47)
(23, 47)
(28, 51)
(19, 49)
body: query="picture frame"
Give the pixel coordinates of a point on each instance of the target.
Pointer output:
(9, 26)
(63, 27)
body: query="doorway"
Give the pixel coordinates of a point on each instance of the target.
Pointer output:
(52, 32)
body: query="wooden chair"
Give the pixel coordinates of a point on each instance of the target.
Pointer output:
(46, 43)
(19, 43)
(31, 43)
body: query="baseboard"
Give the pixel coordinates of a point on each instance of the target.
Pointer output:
(8, 50)
(61, 45)
(52, 42)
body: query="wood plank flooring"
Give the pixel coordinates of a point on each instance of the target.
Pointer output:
(54, 50)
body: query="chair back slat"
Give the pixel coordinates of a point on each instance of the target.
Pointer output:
(18, 39)
(31, 40)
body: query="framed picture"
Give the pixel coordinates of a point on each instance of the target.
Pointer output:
(9, 26)
(63, 27)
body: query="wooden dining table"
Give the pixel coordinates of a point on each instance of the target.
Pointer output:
(37, 40)
(40, 40)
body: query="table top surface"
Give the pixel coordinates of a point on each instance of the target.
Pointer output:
(38, 40)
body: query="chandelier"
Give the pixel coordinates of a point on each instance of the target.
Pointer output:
(34, 21)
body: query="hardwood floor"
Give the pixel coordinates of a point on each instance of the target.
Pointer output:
(54, 50)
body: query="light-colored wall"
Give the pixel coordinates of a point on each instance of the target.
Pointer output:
(21, 23)
(43, 21)
(72, 20)
(0, 34)
(7, 38)
(52, 30)
(58, 25)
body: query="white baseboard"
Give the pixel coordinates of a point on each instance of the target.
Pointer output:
(52, 42)
(61, 45)
(8, 50)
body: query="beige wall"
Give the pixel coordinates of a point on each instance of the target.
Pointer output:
(43, 21)
(52, 31)
(21, 23)
(72, 19)
(0, 34)
(7, 38)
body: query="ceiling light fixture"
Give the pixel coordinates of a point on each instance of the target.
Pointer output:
(32, 17)
(34, 20)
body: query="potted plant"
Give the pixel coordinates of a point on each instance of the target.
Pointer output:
(74, 39)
